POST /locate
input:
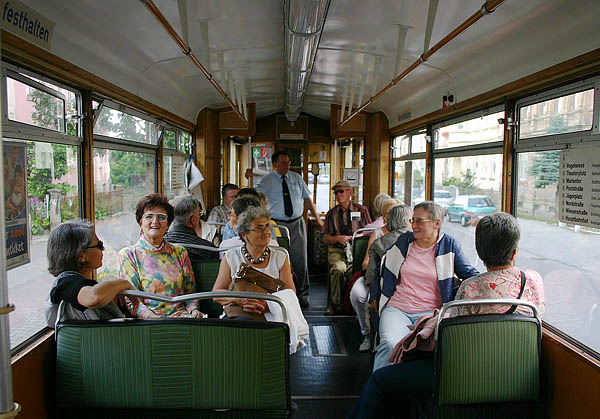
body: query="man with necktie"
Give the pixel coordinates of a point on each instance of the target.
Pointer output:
(288, 195)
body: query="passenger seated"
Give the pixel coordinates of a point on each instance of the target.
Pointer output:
(384, 209)
(340, 223)
(238, 206)
(74, 252)
(183, 230)
(496, 240)
(417, 277)
(220, 213)
(255, 233)
(156, 266)
(378, 201)
(397, 222)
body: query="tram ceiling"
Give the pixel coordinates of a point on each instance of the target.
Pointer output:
(363, 46)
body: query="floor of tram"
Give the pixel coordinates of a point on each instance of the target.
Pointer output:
(328, 374)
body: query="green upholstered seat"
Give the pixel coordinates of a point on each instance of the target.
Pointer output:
(491, 359)
(205, 275)
(359, 249)
(186, 364)
(283, 242)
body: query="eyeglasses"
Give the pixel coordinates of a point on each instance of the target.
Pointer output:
(337, 191)
(262, 229)
(149, 216)
(99, 245)
(418, 221)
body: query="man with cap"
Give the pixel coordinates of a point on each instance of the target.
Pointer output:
(340, 223)
(288, 195)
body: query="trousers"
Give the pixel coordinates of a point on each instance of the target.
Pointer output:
(338, 266)
(298, 255)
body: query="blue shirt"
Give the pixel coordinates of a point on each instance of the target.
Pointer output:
(271, 186)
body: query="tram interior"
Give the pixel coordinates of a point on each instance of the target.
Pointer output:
(464, 102)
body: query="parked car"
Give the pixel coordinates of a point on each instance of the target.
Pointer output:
(469, 208)
(443, 198)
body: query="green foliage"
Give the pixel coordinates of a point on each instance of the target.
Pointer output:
(545, 168)
(466, 183)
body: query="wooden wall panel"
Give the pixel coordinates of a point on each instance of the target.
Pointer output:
(356, 127)
(208, 155)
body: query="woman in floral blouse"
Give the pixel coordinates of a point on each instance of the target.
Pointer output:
(156, 266)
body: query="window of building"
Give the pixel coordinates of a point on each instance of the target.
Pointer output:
(481, 129)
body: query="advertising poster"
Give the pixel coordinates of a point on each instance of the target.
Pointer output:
(15, 205)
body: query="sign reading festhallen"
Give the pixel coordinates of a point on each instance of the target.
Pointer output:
(26, 23)
(579, 187)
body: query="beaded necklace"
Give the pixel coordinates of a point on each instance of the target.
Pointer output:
(259, 259)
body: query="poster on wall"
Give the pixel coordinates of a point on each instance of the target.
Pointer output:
(15, 205)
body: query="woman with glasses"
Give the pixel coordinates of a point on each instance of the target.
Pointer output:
(254, 229)
(417, 277)
(74, 252)
(154, 265)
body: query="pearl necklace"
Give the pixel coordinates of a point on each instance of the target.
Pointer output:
(258, 260)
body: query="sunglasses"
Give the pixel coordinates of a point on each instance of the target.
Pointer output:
(337, 191)
(99, 245)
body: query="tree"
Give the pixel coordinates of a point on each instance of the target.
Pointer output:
(466, 183)
(545, 167)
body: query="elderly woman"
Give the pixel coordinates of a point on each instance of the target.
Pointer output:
(255, 232)
(386, 207)
(74, 252)
(417, 277)
(496, 240)
(153, 265)
(378, 202)
(397, 222)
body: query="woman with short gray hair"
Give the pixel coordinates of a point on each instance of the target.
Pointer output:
(74, 252)
(496, 239)
(254, 230)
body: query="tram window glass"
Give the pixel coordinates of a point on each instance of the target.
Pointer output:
(185, 142)
(119, 124)
(418, 143)
(169, 139)
(565, 255)
(321, 198)
(479, 130)
(121, 178)
(173, 174)
(53, 197)
(569, 113)
(25, 104)
(401, 146)
(412, 186)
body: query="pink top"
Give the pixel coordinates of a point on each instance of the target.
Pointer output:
(378, 223)
(505, 283)
(418, 288)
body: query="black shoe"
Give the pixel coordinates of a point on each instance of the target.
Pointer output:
(303, 302)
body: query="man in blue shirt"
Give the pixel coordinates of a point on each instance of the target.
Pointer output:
(288, 195)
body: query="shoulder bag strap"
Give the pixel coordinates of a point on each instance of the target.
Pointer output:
(512, 309)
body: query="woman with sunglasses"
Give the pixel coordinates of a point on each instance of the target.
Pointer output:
(74, 252)
(418, 277)
(254, 230)
(154, 265)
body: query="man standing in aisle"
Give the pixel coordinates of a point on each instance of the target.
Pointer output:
(288, 194)
(340, 223)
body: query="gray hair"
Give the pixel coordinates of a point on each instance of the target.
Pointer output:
(248, 216)
(436, 211)
(184, 207)
(65, 244)
(378, 201)
(388, 204)
(399, 218)
(496, 238)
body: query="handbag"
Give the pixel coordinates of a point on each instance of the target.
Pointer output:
(248, 279)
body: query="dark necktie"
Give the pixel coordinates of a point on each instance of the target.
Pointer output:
(287, 200)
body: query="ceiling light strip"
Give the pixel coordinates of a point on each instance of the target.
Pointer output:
(487, 8)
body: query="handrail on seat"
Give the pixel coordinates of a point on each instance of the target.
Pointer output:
(362, 230)
(207, 295)
(485, 301)
(284, 228)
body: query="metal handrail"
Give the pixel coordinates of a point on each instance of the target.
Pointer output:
(207, 295)
(362, 230)
(284, 228)
(485, 301)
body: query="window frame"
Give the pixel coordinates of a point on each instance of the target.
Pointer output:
(410, 156)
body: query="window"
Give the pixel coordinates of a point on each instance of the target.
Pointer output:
(169, 139)
(173, 163)
(185, 142)
(123, 125)
(323, 182)
(121, 178)
(567, 113)
(479, 130)
(408, 178)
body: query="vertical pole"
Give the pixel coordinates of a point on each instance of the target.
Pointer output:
(6, 390)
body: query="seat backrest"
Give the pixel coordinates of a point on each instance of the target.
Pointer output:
(173, 364)
(359, 249)
(488, 358)
(205, 275)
